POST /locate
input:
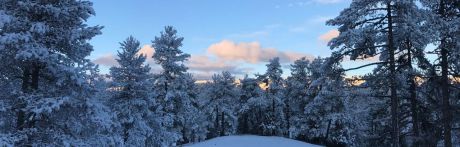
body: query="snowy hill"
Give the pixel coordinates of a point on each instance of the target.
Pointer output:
(251, 141)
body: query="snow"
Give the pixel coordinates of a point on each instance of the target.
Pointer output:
(251, 141)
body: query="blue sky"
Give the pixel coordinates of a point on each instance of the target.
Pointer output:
(235, 35)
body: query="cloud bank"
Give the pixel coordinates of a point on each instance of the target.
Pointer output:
(251, 52)
(225, 55)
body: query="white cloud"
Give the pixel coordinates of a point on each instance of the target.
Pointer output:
(326, 37)
(106, 60)
(250, 52)
(204, 66)
(225, 55)
(205, 63)
(109, 59)
(147, 50)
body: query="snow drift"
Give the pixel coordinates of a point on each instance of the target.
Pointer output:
(251, 141)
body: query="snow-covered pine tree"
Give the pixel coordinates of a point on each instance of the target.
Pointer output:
(256, 105)
(275, 120)
(222, 104)
(415, 27)
(358, 103)
(445, 22)
(297, 95)
(412, 35)
(326, 121)
(375, 27)
(192, 114)
(249, 106)
(429, 94)
(132, 98)
(169, 55)
(174, 87)
(455, 70)
(44, 45)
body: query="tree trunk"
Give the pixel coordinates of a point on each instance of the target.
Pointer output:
(259, 126)
(288, 115)
(35, 76)
(327, 130)
(34, 85)
(273, 132)
(166, 88)
(126, 127)
(25, 79)
(217, 123)
(413, 96)
(446, 114)
(222, 121)
(183, 131)
(393, 95)
(20, 120)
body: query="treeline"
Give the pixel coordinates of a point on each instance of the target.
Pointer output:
(51, 95)
(170, 108)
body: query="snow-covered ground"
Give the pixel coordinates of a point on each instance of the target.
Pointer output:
(251, 141)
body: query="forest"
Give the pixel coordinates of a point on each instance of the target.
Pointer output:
(51, 94)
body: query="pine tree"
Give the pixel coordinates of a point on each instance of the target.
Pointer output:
(132, 98)
(44, 47)
(173, 86)
(168, 54)
(253, 107)
(222, 105)
(430, 97)
(358, 103)
(297, 95)
(275, 119)
(413, 35)
(326, 120)
(191, 112)
(445, 23)
(370, 28)
(247, 112)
